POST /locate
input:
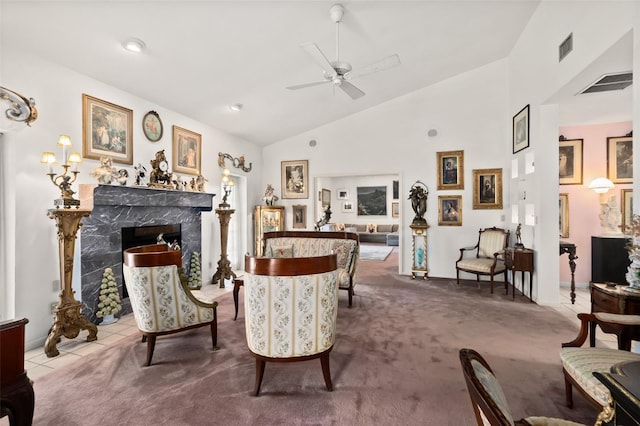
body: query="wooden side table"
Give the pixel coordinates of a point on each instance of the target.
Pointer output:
(614, 299)
(516, 259)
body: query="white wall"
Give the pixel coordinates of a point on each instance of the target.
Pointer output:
(28, 193)
(468, 111)
(535, 76)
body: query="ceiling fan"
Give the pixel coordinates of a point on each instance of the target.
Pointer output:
(338, 72)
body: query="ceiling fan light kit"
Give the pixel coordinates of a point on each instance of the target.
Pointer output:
(337, 72)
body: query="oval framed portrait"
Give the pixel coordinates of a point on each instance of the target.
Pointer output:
(152, 126)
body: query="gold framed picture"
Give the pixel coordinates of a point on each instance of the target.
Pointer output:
(107, 130)
(450, 210)
(487, 189)
(620, 159)
(295, 179)
(563, 204)
(395, 209)
(326, 198)
(570, 165)
(627, 208)
(187, 151)
(299, 216)
(450, 169)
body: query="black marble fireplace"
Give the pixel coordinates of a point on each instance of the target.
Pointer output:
(118, 207)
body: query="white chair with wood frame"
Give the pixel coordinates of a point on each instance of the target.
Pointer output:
(488, 258)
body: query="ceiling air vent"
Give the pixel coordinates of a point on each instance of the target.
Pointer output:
(610, 82)
(565, 47)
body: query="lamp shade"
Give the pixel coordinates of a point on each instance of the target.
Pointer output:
(601, 185)
(75, 158)
(48, 157)
(64, 140)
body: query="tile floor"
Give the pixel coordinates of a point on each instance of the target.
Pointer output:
(37, 364)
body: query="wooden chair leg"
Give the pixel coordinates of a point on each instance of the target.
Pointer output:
(260, 364)
(326, 371)
(144, 338)
(214, 333)
(568, 392)
(151, 345)
(350, 296)
(491, 284)
(458, 277)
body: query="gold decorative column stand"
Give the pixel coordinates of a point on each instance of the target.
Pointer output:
(224, 266)
(419, 264)
(69, 319)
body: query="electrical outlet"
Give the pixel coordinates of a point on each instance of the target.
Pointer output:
(55, 284)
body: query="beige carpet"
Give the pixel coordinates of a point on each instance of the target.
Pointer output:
(374, 252)
(395, 363)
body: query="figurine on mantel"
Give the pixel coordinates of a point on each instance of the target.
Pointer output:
(105, 172)
(123, 175)
(200, 180)
(141, 172)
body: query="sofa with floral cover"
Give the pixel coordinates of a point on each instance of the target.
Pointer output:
(345, 245)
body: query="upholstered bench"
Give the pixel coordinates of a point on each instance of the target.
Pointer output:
(345, 245)
(393, 239)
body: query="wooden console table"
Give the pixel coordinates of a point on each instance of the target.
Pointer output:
(519, 260)
(570, 248)
(16, 392)
(614, 299)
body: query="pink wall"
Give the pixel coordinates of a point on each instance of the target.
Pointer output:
(584, 204)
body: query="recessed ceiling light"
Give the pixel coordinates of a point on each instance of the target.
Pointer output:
(236, 107)
(134, 45)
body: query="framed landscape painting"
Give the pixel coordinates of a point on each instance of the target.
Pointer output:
(450, 170)
(295, 179)
(487, 189)
(107, 130)
(570, 162)
(372, 200)
(620, 159)
(521, 130)
(450, 210)
(187, 151)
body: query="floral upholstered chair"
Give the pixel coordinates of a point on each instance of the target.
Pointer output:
(291, 307)
(161, 302)
(487, 255)
(488, 399)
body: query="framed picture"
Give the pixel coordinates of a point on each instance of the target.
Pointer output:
(266, 219)
(326, 198)
(396, 189)
(487, 189)
(295, 179)
(450, 210)
(627, 208)
(563, 204)
(107, 130)
(347, 207)
(343, 194)
(395, 209)
(450, 170)
(299, 216)
(620, 159)
(570, 166)
(521, 130)
(187, 151)
(152, 126)
(372, 200)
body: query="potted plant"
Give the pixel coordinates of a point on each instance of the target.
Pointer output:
(109, 304)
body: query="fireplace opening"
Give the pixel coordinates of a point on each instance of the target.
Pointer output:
(143, 235)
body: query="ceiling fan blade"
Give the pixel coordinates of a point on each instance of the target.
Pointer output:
(316, 54)
(351, 90)
(383, 64)
(302, 86)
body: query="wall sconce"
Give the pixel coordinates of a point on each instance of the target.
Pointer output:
(21, 109)
(237, 162)
(64, 180)
(609, 212)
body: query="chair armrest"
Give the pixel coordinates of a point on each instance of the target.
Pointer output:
(617, 319)
(195, 300)
(585, 319)
(499, 254)
(463, 249)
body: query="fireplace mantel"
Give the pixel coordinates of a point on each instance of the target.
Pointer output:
(116, 207)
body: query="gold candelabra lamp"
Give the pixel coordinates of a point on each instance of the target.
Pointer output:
(224, 213)
(227, 186)
(67, 178)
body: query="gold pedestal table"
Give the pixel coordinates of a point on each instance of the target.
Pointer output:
(224, 265)
(68, 312)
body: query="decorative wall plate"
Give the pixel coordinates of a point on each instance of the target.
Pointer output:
(152, 126)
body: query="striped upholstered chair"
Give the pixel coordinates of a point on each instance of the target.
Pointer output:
(291, 307)
(487, 256)
(161, 302)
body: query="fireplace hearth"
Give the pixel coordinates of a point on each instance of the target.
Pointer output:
(118, 207)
